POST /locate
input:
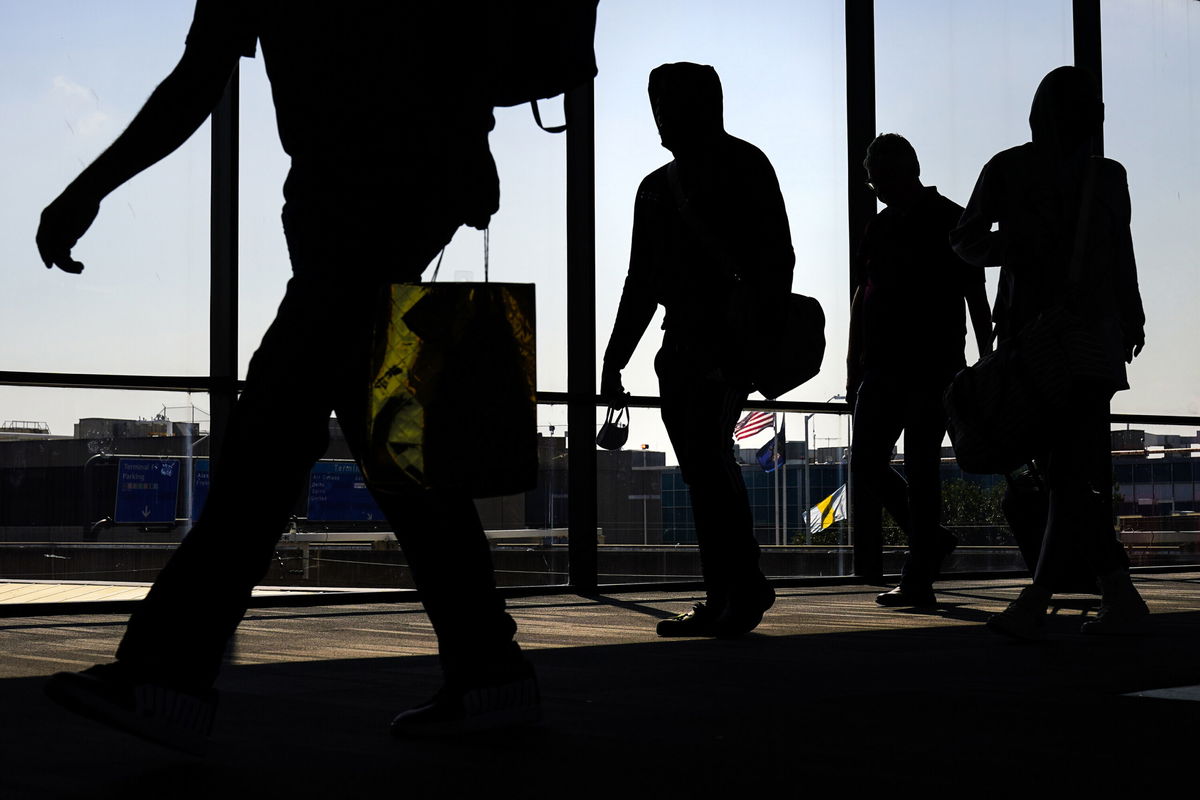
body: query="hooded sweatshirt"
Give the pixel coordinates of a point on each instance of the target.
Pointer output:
(715, 211)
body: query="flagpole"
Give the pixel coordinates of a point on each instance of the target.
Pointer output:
(783, 469)
(775, 452)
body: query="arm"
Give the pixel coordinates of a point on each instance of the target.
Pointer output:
(172, 114)
(1125, 279)
(981, 316)
(974, 240)
(638, 302)
(854, 349)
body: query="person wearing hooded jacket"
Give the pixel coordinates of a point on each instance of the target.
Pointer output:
(1032, 196)
(709, 225)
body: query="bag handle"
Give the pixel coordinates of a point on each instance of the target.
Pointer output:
(487, 235)
(437, 266)
(537, 117)
(622, 412)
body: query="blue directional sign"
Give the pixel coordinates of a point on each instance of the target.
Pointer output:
(147, 489)
(200, 481)
(337, 492)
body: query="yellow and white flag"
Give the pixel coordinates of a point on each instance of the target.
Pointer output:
(828, 511)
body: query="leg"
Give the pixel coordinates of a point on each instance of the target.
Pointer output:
(160, 686)
(924, 429)
(1079, 477)
(877, 426)
(294, 381)
(699, 414)
(451, 563)
(179, 632)
(1081, 496)
(1079, 525)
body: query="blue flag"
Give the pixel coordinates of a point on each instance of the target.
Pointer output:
(768, 456)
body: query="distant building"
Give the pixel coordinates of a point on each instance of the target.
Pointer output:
(1155, 475)
(18, 430)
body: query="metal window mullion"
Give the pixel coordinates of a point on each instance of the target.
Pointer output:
(860, 120)
(1085, 29)
(860, 131)
(581, 337)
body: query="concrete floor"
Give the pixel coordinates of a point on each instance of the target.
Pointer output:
(831, 693)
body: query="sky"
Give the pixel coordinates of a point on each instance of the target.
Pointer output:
(955, 76)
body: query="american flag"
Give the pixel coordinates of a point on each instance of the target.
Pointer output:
(752, 423)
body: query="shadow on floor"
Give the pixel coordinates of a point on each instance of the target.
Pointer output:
(880, 710)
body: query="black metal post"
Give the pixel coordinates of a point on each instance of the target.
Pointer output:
(223, 289)
(860, 116)
(860, 130)
(1085, 24)
(581, 337)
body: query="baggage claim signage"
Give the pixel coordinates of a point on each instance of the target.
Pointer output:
(147, 491)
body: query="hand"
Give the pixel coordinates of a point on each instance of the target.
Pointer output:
(1132, 351)
(63, 222)
(612, 391)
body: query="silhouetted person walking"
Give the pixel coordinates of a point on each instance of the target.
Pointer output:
(908, 332)
(379, 183)
(710, 234)
(1036, 192)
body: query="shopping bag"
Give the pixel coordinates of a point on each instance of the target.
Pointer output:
(452, 403)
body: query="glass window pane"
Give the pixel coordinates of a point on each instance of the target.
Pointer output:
(1150, 78)
(963, 93)
(782, 68)
(782, 71)
(103, 481)
(98, 485)
(74, 76)
(1156, 509)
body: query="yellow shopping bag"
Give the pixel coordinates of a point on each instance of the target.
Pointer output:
(452, 401)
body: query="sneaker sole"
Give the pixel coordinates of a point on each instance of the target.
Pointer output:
(678, 632)
(78, 695)
(501, 720)
(519, 706)
(1139, 627)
